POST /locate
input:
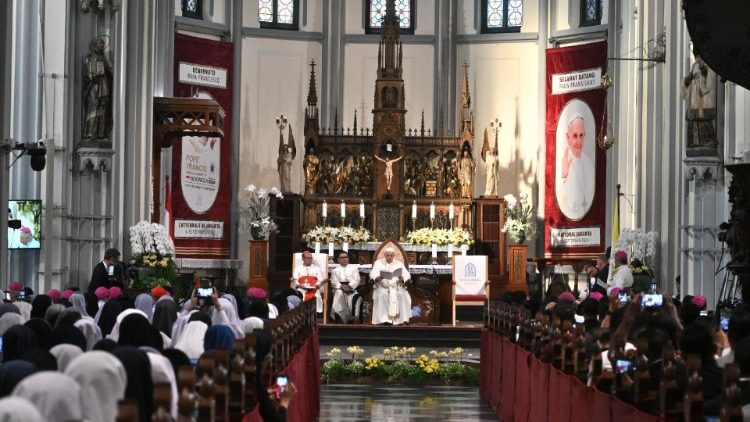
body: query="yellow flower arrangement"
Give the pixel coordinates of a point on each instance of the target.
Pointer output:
(428, 365)
(373, 362)
(334, 353)
(355, 351)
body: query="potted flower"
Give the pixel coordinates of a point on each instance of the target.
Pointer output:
(152, 251)
(518, 218)
(257, 212)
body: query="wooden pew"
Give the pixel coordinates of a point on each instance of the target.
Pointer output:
(127, 411)
(731, 405)
(693, 403)
(162, 402)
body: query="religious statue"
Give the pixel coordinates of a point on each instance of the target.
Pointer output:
(452, 184)
(467, 168)
(287, 154)
(698, 91)
(489, 155)
(312, 171)
(97, 92)
(388, 170)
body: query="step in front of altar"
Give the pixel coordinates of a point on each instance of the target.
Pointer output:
(402, 336)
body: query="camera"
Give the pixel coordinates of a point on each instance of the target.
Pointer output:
(204, 292)
(622, 366)
(652, 300)
(623, 296)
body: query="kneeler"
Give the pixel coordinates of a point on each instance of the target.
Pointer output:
(508, 381)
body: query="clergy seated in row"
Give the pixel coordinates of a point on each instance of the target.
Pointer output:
(344, 282)
(307, 279)
(391, 301)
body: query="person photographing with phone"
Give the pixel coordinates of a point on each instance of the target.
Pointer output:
(106, 273)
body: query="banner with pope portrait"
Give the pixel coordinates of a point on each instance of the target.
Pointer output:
(576, 168)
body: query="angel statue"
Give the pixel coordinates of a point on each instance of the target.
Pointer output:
(489, 155)
(388, 170)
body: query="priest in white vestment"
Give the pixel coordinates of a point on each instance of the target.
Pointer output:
(391, 300)
(576, 179)
(307, 279)
(344, 282)
(622, 276)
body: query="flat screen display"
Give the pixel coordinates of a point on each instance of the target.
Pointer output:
(24, 224)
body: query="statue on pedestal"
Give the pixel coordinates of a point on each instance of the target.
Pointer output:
(467, 168)
(312, 171)
(97, 91)
(287, 154)
(489, 155)
(698, 91)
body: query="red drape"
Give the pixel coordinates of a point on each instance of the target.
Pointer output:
(522, 388)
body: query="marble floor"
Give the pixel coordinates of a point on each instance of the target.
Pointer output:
(349, 403)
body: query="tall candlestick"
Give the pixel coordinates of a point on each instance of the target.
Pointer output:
(464, 247)
(362, 210)
(414, 209)
(434, 250)
(432, 211)
(451, 212)
(317, 247)
(450, 250)
(345, 247)
(330, 248)
(343, 209)
(325, 209)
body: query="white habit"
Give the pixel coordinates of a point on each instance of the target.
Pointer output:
(313, 271)
(391, 302)
(577, 190)
(344, 304)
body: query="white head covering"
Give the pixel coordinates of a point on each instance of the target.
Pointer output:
(252, 323)
(273, 311)
(90, 330)
(191, 339)
(17, 409)
(115, 334)
(162, 371)
(55, 395)
(64, 354)
(228, 319)
(78, 301)
(179, 325)
(103, 379)
(234, 305)
(390, 249)
(25, 309)
(145, 303)
(8, 320)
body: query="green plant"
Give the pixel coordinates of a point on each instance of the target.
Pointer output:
(332, 370)
(355, 369)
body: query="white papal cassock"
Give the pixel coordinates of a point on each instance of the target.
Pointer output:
(344, 304)
(302, 274)
(391, 301)
(577, 190)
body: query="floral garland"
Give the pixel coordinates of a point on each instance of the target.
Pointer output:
(518, 217)
(256, 210)
(338, 235)
(441, 237)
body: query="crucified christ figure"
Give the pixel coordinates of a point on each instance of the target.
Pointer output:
(388, 170)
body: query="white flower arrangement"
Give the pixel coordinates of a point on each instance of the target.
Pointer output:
(150, 238)
(256, 211)
(338, 235)
(519, 217)
(637, 244)
(442, 237)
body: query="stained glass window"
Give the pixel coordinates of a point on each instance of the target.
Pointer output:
(591, 12)
(192, 9)
(502, 15)
(376, 13)
(281, 14)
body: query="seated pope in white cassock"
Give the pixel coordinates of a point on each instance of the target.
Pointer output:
(391, 301)
(344, 282)
(307, 279)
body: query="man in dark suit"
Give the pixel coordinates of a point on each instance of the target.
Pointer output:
(105, 273)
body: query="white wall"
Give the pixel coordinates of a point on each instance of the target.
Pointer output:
(504, 84)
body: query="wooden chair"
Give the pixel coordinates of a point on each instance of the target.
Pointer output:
(205, 400)
(693, 403)
(221, 396)
(236, 403)
(731, 404)
(162, 400)
(127, 411)
(186, 378)
(670, 399)
(186, 406)
(321, 261)
(468, 264)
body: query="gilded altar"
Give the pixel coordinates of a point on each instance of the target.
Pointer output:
(395, 172)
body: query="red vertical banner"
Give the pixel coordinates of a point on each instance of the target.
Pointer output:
(576, 168)
(201, 166)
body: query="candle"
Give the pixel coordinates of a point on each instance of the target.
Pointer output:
(325, 209)
(451, 211)
(450, 250)
(414, 210)
(463, 249)
(346, 247)
(317, 247)
(362, 210)
(343, 209)
(330, 248)
(434, 250)
(432, 211)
